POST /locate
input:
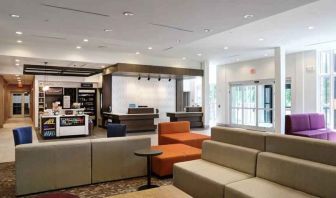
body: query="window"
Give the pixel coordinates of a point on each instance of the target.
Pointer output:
(288, 98)
(327, 97)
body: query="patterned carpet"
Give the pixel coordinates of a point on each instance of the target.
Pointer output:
(7, 185)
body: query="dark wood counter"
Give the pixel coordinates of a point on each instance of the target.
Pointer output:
(195, 118)
(139, 122)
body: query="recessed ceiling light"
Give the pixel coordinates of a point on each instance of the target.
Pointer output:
(199, 54)
(248, 16)
(261, 39)
(150, 48)
(17, 75)
(17, 64)
(137, 53)
(237, 59)
(108, 30)
(311, 27)
(15, 16)
(19, 41)
(128, 14)
(78, 47)
(19, 33)
(17, 60)
(207, 30)
(265, 54)
(86, 40)
(103, 66)
(184, 58)
(226, 48)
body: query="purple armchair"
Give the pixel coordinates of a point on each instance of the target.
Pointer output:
(308, 125)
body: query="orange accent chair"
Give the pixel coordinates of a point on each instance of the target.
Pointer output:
(162, 165)
(179, 132)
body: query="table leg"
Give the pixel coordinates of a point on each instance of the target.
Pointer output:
(149, 175)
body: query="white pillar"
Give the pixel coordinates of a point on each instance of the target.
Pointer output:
(280, 83)
(205, 93)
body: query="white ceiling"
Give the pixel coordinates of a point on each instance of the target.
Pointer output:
(54, 33)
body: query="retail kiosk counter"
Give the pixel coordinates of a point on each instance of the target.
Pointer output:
(64, 125)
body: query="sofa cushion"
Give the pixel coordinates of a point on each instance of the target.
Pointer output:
(191, 139)
(174, 127)
(316, 121)
(200, 178)
(297, 122)
(236, 157)
(240, 137)
(305, 148)
(317, 134)
(162, 165)
(261, 188)
(310, 177)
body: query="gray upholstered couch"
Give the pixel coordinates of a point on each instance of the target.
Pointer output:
(56, 165)
(243, 164)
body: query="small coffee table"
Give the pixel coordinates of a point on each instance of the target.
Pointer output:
(149, 153)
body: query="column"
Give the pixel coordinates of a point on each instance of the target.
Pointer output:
(205, 93)
(280, 83)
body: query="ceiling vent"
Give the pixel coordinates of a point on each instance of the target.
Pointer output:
(74, 10)
(172, 27)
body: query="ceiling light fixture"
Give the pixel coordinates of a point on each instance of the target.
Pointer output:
(17, 64)
(78, 47)
(139, 78)
(199, 54)
(108, 30)
(248, 16)
(15, 16)
(261, 39)
(17, 60)
(137, 53)
(86, 40)
(226, 48)
(237, 59)
(19, 33)
(184, 58)
(148, 78)
(103, 66)
(207, 30)
(17, 75)
(159, 79)
(265, 54)
(311, 27)
(150, 48)
(19, 41)
(128, 13)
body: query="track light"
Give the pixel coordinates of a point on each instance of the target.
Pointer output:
(148, 77)
(139, 78)
(159, 78)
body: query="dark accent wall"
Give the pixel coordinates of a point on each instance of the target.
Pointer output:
(107, 92)
(179, 94)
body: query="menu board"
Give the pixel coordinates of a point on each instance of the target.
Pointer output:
(72, 121)
(48, 129)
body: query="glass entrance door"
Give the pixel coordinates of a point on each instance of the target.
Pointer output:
(251, 105)
(20, 104)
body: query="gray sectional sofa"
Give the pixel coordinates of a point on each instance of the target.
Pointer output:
(243, 164)
(56, 165)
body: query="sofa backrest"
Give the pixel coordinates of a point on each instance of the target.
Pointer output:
(300, 147)
(174, 127)
(240, 137)
(114, 159)
(236, 157)
(297, 122)
(316, 121)
(304, 122)
(313, 178)
(52, 165)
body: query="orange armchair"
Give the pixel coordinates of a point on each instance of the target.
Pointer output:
(179, 132)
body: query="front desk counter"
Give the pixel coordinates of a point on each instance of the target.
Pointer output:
(64, 125)
(195, 118)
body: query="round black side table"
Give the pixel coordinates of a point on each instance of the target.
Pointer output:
(149, 154)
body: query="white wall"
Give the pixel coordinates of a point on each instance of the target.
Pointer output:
(304, 86)
(152, 93)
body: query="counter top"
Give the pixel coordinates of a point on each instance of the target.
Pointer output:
(125, 114)
(53, 116)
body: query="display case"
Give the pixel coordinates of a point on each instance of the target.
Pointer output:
(88, 99)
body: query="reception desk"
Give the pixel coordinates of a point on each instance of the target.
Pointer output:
(195, 118)
(136, 122)
(64, 125)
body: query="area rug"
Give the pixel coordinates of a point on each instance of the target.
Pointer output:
(7, 185)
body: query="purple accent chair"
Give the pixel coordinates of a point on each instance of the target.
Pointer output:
(308, 125)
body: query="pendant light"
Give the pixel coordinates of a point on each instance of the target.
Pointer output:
(45, 86)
